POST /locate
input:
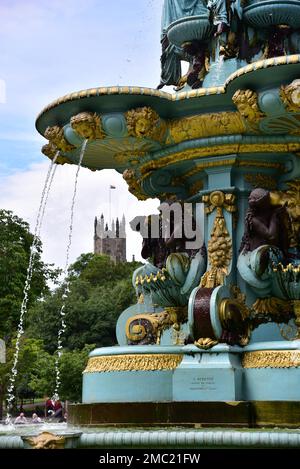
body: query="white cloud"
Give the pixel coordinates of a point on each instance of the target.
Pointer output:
(2, 92)
(51, 48)
(21, 193)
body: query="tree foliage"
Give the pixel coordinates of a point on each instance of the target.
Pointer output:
(15, 246)
(99, 291)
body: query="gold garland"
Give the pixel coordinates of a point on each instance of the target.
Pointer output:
(146, 362)
(261, 180)
(272, 359)
(220, 150)
(205, 125)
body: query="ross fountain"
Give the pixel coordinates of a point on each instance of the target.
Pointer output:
(202, 346)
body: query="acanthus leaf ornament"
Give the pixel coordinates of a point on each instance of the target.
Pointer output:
(220, 243)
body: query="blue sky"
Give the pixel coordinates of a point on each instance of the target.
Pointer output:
(49, 48)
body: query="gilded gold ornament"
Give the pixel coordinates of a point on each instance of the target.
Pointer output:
(51, 151)
(144, 122)
(275, 307)
(220, 150)
(220, 243)
(205, 125)
(272, 359)
(133, 362)
(291, 199)
(55, 135)
(149, 327)
(46, 440)
(205, 344)
(87, 125)
(261, 180)
(290, 96)
(134, 184)
(247, 103)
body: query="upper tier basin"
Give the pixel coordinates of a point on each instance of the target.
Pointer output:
(267, 13)
(190, 29)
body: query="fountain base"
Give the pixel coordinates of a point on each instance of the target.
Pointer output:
(242, 414)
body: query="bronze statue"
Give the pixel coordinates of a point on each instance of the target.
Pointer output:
(265, 224)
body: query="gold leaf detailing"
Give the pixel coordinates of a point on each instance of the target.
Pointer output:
(291, 199)
(220, 243)
(133, 362)
(134, 184)
(261, 180)
(206, 125)
(275, 307)
(144, 122)
(51, 150)
(130, 155)
(87, 125)
(46, 440)
(219, 150)
(290, 96)
(272, 359)
(205, 344)
(55, 135)
(247, 103)
(149, 327)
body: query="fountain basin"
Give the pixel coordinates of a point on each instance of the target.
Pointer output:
(268, 13)
(189, 125)
(193, 28)
(180, 437)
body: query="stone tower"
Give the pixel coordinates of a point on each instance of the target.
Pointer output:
(110, 241)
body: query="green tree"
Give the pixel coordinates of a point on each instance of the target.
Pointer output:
(15, 246)
(36, 371)
(32, 363)
(99, 291)
(72, 366)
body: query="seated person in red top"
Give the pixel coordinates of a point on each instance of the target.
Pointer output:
(58, 409)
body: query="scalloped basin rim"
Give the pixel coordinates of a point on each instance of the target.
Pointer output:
(158, 99)
(254, 11)
(187, 20)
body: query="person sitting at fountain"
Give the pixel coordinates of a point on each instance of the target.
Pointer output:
(35, 418)
(58, 409)
(265, 241)
(49, 407)
(21, 419)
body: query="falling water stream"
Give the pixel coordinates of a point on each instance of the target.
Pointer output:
(37, 230)
(40, 216)
(217, 68)
(65, 281)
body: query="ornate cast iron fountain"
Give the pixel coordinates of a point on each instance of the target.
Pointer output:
(207, 324)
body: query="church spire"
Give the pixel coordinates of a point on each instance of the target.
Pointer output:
(117, 228)
(122, 231)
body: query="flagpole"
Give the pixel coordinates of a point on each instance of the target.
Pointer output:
(109, 201)
(109, 192)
